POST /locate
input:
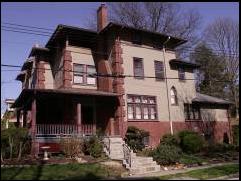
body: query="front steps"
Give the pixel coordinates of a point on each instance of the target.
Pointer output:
(114, 149)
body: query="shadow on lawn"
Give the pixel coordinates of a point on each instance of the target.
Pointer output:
(88, 176)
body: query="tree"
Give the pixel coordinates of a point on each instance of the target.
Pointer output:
(211, 76)
(164, 17)
(223, 38)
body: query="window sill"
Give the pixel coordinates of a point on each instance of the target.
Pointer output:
(142, 120)
(192, 120)
(84, 84)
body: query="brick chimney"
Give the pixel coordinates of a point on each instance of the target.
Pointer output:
(101, 17)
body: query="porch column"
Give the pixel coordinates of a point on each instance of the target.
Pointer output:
(78, 118)
(112, 127)
(18, 118)
(33, 128)
(24, 119)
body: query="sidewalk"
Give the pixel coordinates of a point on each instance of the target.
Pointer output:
(162, 173)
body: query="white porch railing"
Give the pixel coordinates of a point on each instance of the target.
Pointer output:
(127, 155)
(62, 129)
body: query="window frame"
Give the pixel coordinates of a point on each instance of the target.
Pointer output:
(136, 59)
(173, 89)
(162, 72)
(142, 106)
(181, 72)
(189, 111)
(84, 75)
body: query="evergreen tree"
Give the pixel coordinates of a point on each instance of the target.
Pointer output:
(211, 75)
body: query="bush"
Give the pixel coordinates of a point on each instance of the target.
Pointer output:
(167, 154)
(236, 135)
(146, 152)
(190, 142)
(134, 138)
(93, 147)
(221, 148)
(15, 142)
(169, 140)
(71, 147)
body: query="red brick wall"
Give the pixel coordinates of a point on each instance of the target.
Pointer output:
(158, 129)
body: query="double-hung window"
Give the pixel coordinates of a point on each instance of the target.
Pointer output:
(138, 68)
(79, 70)
(141, 107)
(84, 74)
(181, 74)
(159, 70)
(192, 112)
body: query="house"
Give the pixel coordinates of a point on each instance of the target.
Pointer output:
(86, 81)
(10, 114)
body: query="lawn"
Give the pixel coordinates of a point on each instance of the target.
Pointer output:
(60, 172)
(207, 173)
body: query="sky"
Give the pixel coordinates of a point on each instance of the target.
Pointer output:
(15, 47)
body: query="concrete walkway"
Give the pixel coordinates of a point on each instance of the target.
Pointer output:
(162, 173)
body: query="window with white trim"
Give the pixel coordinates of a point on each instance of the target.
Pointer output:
(141, 107)
(173, 94)
(84, 74)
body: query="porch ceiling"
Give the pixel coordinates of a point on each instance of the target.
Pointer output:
(28, 94)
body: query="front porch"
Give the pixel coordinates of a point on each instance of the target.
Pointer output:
(51, 114)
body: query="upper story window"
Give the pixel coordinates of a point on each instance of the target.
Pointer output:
(138, 68)
(136, 38)
(192, 112)
(141, 107)
(173, 96)
(181, 73)
(84, 74)
(159, 70)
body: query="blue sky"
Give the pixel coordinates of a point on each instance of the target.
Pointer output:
(15, 47)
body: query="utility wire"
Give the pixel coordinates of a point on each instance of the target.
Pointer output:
(104, 75)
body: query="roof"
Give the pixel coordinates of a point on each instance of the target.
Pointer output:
(203, 98)
(179, 62)
(36, 49)
(76, 33)
(21, 75)
(88, 35)
(9, 100)
(172, 43)
(27, 93)
(27, 63)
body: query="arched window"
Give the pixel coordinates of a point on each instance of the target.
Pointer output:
(173, 96)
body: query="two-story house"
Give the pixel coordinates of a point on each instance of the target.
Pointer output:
(85, 81)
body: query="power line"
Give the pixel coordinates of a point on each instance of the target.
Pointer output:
(23, 29)
(26, 26)
(103, 75)
(24, 32)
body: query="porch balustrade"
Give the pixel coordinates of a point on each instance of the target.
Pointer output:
(63, 129)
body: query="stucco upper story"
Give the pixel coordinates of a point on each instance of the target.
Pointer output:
(83, 56)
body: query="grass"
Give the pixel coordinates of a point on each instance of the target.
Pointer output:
(206, 173)
(60, 172)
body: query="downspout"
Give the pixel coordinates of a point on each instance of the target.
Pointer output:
(169, 114)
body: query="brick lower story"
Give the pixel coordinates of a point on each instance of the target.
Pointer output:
(158, 129)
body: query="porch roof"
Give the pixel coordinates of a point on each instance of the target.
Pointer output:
(27, 94)
(203, 98)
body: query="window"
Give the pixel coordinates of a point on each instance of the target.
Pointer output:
(145, 140)
(138, 68)
(90, 75)
(192, 112)
(181, 74)
(173, 96)
(136, 38)
(84, 74)
(141, 107)
(159, 70)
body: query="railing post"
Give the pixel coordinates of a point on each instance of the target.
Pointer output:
(78, 118)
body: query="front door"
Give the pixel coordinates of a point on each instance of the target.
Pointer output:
(87, 120)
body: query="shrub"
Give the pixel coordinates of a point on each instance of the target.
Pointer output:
(221, 148)
(134, 138)
(169, 139)
(190, 142)
(236, 134)
(93, 147)
(167, 154)
(15, 142)
(71, 147)
(146, 152)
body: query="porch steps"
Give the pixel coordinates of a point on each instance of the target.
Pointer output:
(114, 149)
